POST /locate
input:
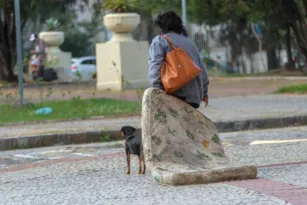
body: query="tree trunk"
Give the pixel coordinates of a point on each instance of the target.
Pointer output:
(272, 58)
(3, 70)
(290, 64)
(259, 44)
(7, 46)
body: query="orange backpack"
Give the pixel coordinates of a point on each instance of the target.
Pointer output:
(178, 69)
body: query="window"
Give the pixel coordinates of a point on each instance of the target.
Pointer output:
(87, 62)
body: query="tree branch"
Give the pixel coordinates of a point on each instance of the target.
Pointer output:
(259, 43)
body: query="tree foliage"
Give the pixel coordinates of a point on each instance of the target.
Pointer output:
(278, 19)
(276, 16)
(30, 10)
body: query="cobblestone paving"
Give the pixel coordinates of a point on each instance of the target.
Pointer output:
(221, 109)
(264, 147)
(292, 174)
(102, 180)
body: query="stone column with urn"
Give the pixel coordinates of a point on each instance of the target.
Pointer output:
(55, 58)
(122, 62)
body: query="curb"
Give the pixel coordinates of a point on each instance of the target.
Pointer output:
(261, 123)
(113, 135)
(99, 117)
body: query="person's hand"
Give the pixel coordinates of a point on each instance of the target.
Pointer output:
(206, 100)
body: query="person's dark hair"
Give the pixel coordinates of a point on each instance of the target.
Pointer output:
(170, 21)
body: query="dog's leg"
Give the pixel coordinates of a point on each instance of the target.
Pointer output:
(128, 163)
(143, 161)
(140, 164)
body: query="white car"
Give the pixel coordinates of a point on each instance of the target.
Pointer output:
(84, 68)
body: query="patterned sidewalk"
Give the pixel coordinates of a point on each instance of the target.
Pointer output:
(295, 195)
(290, 193)
(94, 174)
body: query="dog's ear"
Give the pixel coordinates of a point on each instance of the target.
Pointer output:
(132, 128)
(128, 130)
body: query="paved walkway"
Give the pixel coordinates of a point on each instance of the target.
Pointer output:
(94, 174)
(219, 87)
(220, 109)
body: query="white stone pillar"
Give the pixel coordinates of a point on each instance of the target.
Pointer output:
(53, 39)
(122, 62)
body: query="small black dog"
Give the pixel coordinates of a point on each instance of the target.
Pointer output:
(133, 145)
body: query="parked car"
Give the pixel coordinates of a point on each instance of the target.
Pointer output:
(84, 67)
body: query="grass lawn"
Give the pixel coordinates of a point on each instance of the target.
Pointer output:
(67, 109)
(300, 89)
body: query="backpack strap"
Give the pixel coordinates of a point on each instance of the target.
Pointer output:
(169, 41)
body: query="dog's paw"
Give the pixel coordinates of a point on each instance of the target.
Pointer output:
(144, 169)
(141, 171)
(128, 172)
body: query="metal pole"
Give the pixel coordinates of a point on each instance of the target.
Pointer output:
(19, 50)
(184, 12)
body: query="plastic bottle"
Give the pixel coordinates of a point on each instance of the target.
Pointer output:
(44, 111)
